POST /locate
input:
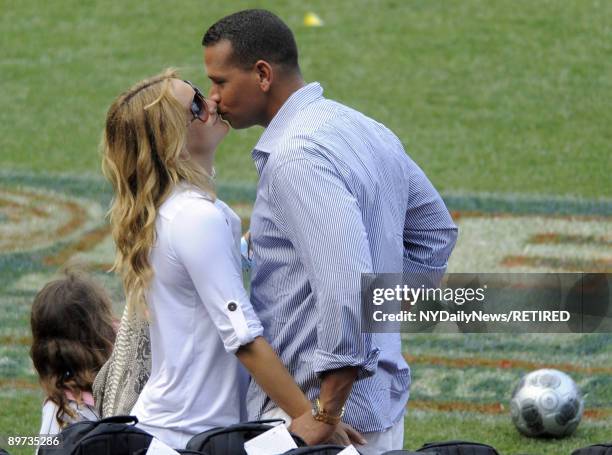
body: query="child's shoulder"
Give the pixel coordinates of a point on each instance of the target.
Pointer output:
(50, 425)
(49, 407)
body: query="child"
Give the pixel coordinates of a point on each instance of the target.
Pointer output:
(72, 337)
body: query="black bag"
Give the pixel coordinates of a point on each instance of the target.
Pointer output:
(115, 435)
(325, 449)
(231, 439)
(181, 451)
(458, 448)
(595, 449)
(404, 452)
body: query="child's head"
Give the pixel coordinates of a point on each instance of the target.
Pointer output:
(72, 335)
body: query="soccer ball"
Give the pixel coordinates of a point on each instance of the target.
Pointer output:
(546, 403)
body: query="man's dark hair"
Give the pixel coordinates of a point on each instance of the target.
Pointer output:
(255, 34)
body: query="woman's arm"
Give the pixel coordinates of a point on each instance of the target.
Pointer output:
(266, 368)
(203, 243)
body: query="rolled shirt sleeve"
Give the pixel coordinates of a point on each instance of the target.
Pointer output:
(203, 243)
(429, 232)
(307, 197)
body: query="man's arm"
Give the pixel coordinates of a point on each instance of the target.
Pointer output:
(336, 387)
(324, 223)
(267, 370)
(429, 232)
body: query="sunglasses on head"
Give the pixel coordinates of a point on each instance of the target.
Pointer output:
(198, 108)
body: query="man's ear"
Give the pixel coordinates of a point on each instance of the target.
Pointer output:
(265, 74)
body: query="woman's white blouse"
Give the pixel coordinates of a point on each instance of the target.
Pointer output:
(200, 315)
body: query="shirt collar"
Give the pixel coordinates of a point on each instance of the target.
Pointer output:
(294, 104)
(86, 397)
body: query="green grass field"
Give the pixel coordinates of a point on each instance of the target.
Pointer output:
(502, 96)
(504, 104)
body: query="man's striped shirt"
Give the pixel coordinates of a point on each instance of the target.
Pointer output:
(338, 197)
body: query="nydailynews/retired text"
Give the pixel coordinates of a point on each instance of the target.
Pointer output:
(472, 316)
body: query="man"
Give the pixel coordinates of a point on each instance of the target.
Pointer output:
(337, 197)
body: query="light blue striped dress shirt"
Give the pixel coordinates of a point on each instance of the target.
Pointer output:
(338, 197)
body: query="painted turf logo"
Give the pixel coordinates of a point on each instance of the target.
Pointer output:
(31, 219)
(34, 219)
(532, 242)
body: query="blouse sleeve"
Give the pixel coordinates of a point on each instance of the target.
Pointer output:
(203, 243)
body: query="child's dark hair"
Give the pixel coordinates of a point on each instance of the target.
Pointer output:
(72, 337)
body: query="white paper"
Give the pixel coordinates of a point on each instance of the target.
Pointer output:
(272, 442)
(350, 450)
(159, 448)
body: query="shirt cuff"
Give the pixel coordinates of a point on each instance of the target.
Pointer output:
(425, 274)
(325, 361)
(232, 343)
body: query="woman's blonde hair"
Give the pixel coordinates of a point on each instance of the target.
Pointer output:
(144, 138)
(72, 337)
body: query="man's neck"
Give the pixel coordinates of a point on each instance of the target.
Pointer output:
(280, 95)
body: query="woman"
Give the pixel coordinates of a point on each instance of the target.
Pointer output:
(178, 255)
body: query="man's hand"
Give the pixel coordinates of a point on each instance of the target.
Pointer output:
(310, 430)
(314, 432)
(345, 435)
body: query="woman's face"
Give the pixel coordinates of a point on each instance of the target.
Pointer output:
(203, 137)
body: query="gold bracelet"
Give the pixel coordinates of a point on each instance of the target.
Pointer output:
(320, 415)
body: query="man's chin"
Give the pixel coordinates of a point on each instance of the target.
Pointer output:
(236, 125)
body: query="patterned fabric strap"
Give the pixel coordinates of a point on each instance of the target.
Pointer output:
(121, 379)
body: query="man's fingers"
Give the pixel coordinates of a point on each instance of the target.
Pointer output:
(346, 440)
(354, 436)
(340, 437)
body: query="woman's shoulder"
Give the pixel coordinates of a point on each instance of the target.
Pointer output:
(226, 210)
(186, 197)
(190, 209)
(185, 191)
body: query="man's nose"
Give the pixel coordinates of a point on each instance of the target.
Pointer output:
(213, 94)
(212, 105)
